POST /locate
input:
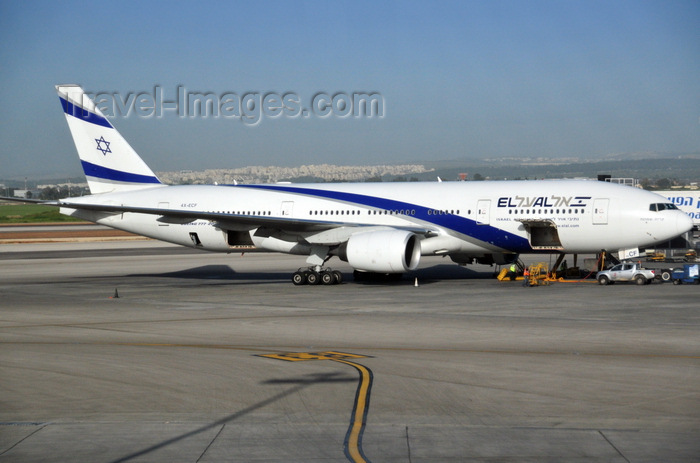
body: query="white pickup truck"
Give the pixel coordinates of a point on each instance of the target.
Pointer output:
(626, 272)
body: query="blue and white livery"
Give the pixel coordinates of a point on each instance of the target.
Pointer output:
(375, 227)
(109, 162)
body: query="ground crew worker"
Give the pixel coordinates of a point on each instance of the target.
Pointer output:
(512, 272)
(526, 277)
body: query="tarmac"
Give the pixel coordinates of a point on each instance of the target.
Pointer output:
(219, 358)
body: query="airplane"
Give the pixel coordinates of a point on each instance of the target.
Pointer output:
(377, 228)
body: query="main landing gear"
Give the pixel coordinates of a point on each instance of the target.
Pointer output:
(311, 276)
(315, 274)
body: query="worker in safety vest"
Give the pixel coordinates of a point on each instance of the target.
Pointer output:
(512, 272)
(526, 277)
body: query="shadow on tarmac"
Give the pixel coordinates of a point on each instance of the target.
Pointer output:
(301, 383)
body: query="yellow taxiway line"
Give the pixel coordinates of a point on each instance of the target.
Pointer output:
(358, 419)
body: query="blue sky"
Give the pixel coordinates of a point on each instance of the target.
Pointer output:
(459, 80)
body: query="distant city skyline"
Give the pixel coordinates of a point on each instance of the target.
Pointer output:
(677, 168)
(452, 80)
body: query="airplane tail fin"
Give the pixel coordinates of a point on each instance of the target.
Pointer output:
(109, 162)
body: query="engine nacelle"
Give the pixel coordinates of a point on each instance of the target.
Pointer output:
(382, 251)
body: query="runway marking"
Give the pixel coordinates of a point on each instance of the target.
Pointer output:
(576, 353)
(300, 356)
(352, 446)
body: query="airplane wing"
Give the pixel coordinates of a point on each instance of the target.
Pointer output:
(224, 219)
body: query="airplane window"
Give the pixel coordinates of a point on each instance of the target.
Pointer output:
(662, 207)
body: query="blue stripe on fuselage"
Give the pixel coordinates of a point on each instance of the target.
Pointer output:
(84, 114)
(93, 170)
(485, 233)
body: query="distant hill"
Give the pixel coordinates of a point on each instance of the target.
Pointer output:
(684, 169)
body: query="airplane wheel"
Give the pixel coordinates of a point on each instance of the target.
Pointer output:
(313, 278)
(298, 278)
(327, 278)
(338, 277)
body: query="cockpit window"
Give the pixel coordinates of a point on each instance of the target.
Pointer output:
(662, 207)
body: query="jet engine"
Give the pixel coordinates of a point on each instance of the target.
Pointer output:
(383, 251)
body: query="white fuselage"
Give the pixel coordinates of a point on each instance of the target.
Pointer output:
(461, 217)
